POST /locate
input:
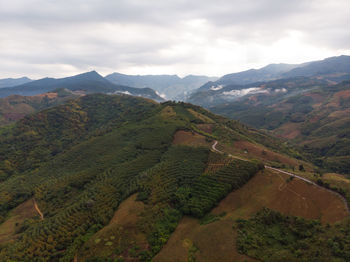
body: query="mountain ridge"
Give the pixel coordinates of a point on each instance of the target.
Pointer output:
(9, 82)
(89, 82)
(172, 86)
(325, 69)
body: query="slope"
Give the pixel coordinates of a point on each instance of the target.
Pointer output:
(331, 70)
(15, 107)
(82, 159)
(261, 92)
(317, 120)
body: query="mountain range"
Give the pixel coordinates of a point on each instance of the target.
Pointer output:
(90, 82)
(170, 86)
(332, 69)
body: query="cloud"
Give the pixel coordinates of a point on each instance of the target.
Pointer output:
(60, 38)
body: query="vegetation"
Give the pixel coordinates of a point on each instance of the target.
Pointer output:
(80, 160)
(271, 236)
(317, 119)
(15, 107)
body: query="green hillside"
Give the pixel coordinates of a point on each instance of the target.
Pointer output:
(80, 160)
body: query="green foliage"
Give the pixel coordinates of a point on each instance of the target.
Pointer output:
(79, 188)
(82, 159)
(271, 236)
(209, 189)
(162, 228)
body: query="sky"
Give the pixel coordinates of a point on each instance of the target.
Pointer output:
(58, 38)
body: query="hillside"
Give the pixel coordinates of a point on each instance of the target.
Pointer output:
(171, 86)
(332, 70)
(267, 73)
(106, 177)
(266, 92)
(318, 120)
(15, 107)
(86, 83)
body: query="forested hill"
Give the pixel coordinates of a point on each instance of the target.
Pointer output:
(80, 160)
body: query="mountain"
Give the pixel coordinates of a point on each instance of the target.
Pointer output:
(333, 70)
(114, 177)
(90, 82)
(170, 86)
(316, 119)
(267, 73)
(9, 82)
(77, 163)
(15, 107)
(210, 95)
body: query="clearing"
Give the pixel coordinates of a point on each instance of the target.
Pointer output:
(188, 138)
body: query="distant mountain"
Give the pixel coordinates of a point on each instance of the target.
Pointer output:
(267, 73)
(333, 70)
(15, 107)
(90, 82)
(8, 82)
(211, 95)
(170, 86)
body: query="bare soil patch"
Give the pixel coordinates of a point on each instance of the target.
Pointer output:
(190, 139)
(256, 151)
(208, 128)
(16, 218)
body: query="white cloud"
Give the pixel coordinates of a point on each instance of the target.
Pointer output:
(216, 88)
(246, 91)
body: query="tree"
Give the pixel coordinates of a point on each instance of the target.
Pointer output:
(301, 168)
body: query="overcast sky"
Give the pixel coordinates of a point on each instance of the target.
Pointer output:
(59, 38)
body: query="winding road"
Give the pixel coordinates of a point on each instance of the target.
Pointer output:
(287, 173)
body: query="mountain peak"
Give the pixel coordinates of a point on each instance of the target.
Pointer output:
(91, 75)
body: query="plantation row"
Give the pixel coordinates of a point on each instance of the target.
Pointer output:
(80, 188)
